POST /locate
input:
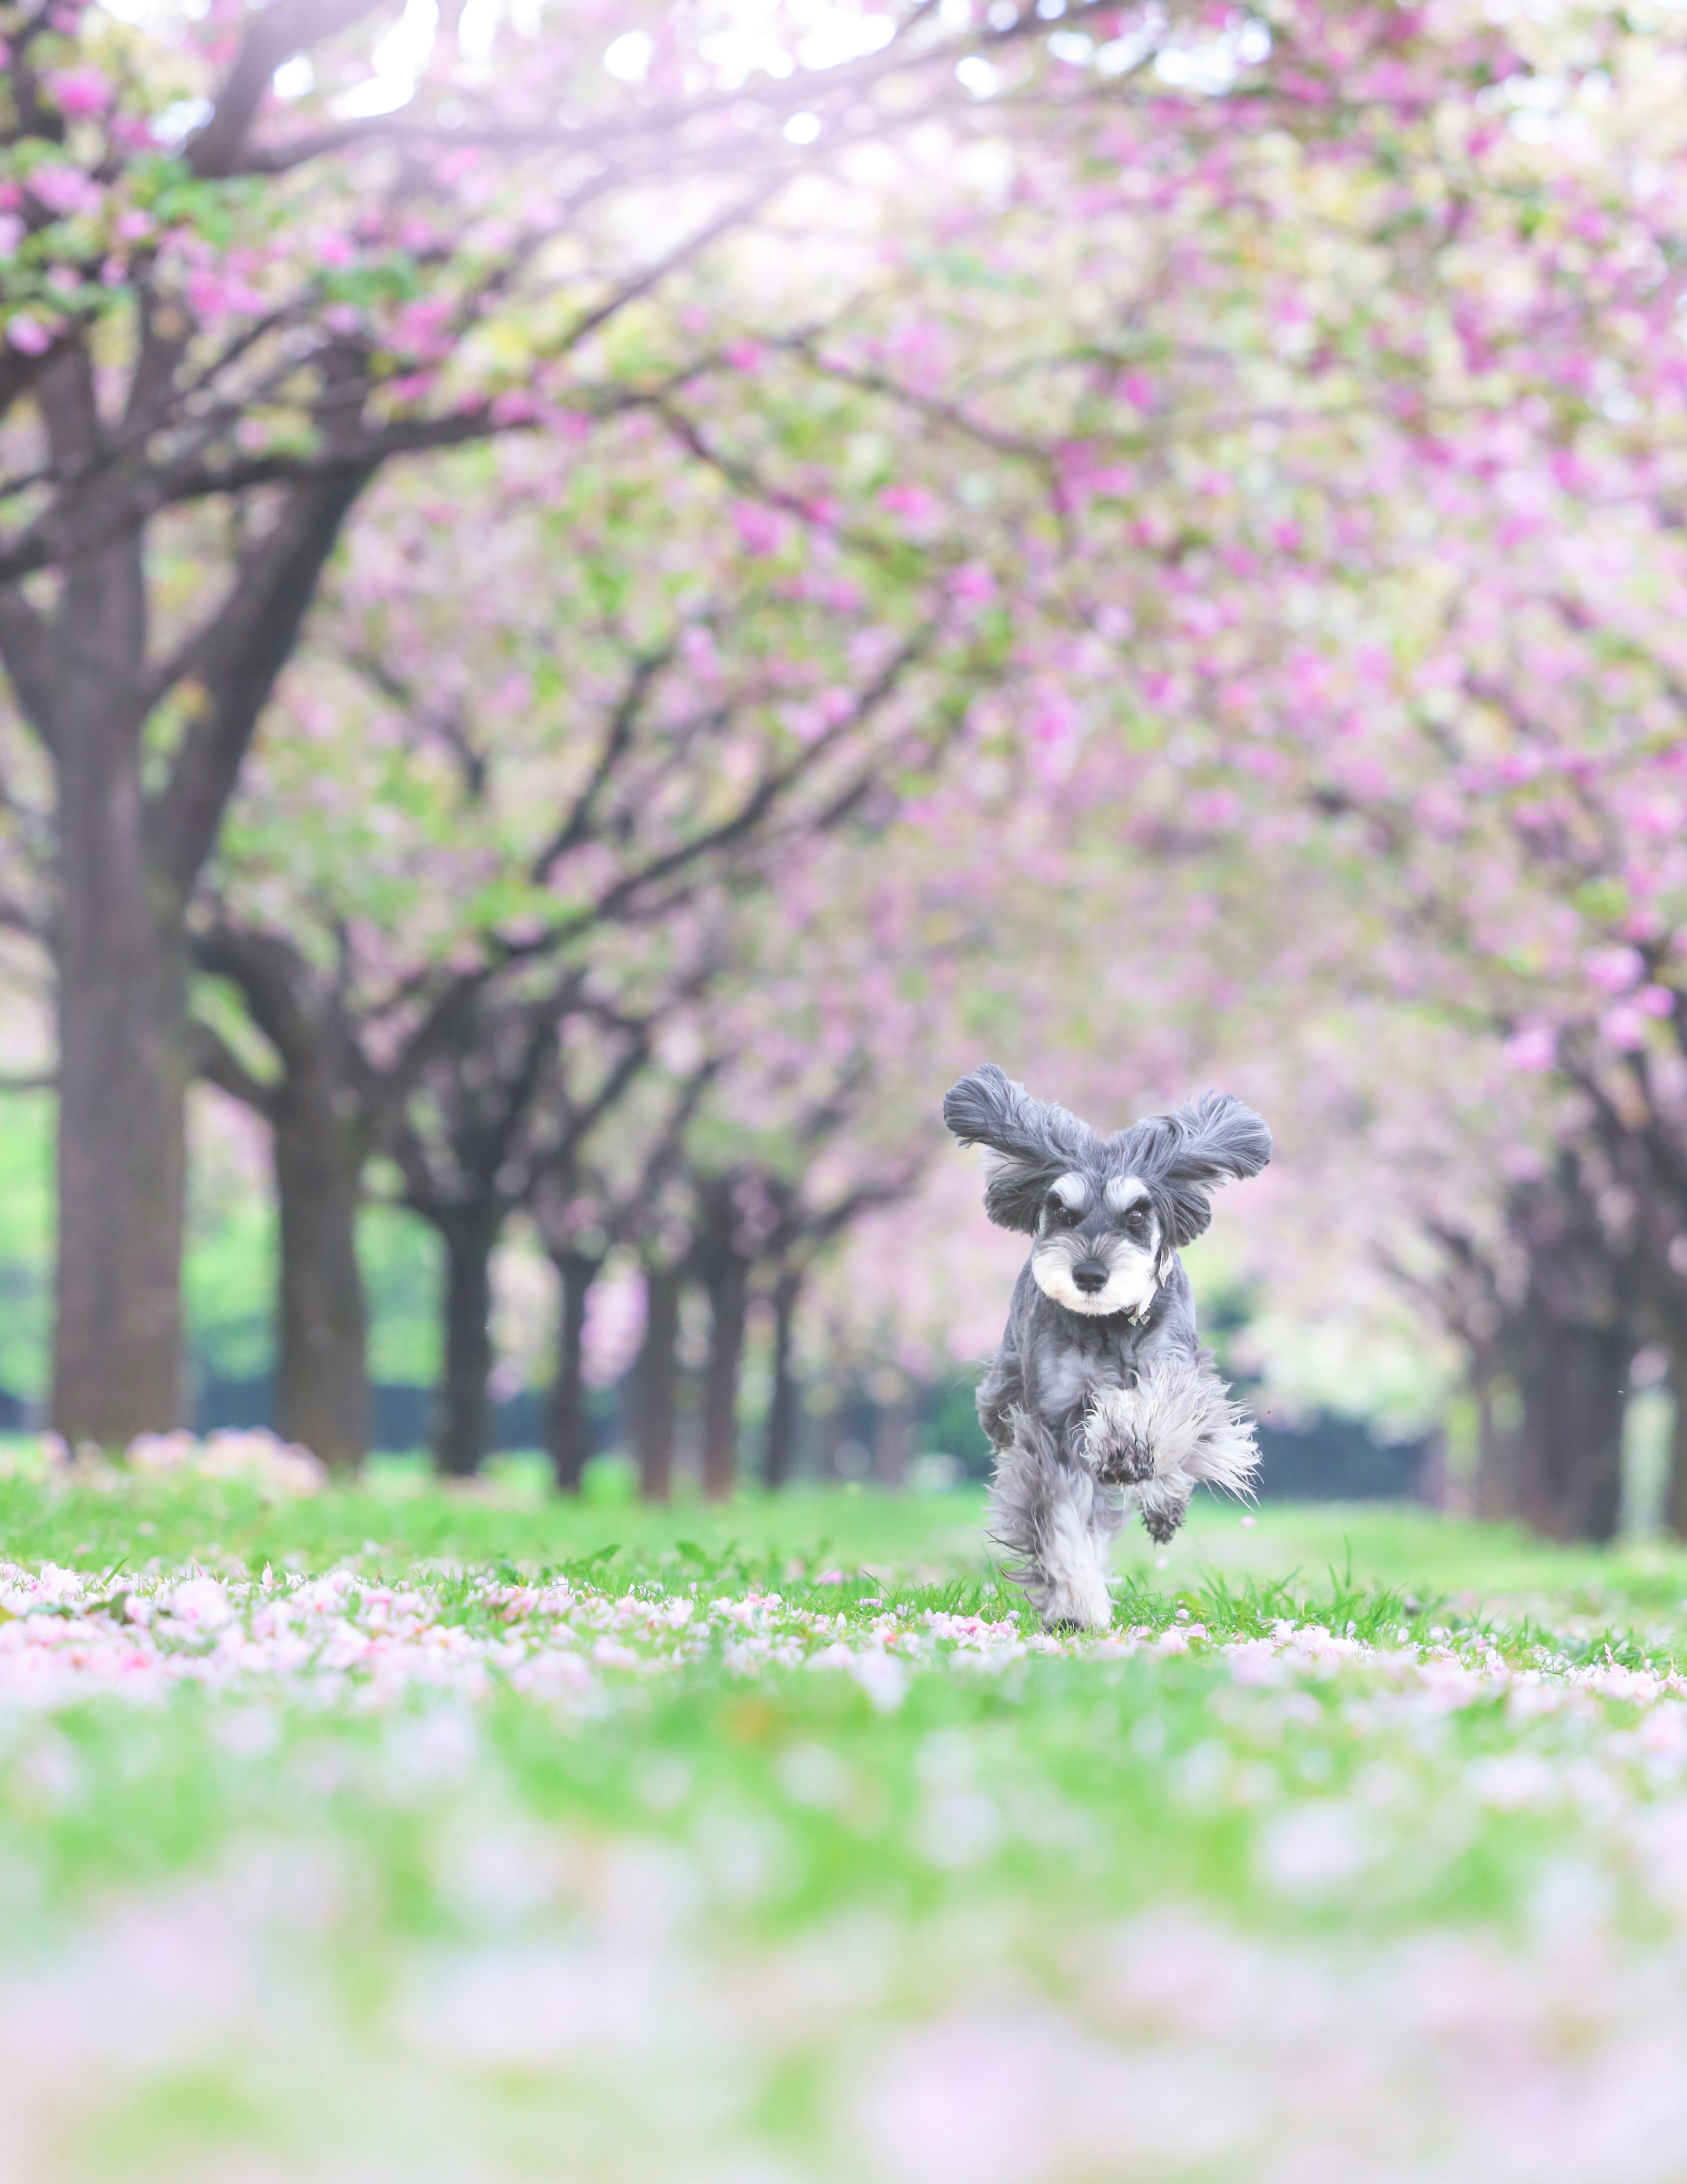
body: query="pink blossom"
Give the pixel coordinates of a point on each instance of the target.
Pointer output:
(219, 291)
(917, 507)
(1614, 970)
(28, 334)
(1533, 1049)
(762, 530)
(80, 91)
(1624, 1026)
(64, 190)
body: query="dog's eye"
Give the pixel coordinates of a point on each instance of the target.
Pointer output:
(1058, 1208)
(1137, 1218)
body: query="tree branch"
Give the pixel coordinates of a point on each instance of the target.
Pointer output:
(576, 828)
(26, 649)
(216, 1062)
(270, 971)
(238, 659)
(663, 124)
(289, 27)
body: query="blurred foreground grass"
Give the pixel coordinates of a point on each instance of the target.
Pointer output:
(818, 1862)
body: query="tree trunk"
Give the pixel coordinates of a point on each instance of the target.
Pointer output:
(1675, 1495)
(570, 1441)
(1574, 1387)
(322, 1394)
(124, 1058)
(656, 1384)
(728, 1303)
(128, 856)
(784, 1406)
(463, 1418)
(123, 1062)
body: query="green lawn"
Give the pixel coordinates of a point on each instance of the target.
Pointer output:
(923, 1545)
(492, 1838)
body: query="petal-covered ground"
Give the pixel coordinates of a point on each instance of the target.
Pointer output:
(323, 1858)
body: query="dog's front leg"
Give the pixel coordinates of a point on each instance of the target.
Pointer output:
(1110, 1439)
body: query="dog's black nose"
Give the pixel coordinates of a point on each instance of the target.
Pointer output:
(1090, 1275)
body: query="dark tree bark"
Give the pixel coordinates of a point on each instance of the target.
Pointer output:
(1574, 1391)
(322, 1393)
(570, 1435)
(78, 677)
(322, 1111)
(656, 1384)
(728, 1287)
(1575, 1339)
(463, 1421)
(784, 1402)
(1675, 1497)
(1560, 1353)
(1675, 1491)
(124, 1068)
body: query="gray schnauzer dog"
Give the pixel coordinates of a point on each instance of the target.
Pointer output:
(1100, 1395)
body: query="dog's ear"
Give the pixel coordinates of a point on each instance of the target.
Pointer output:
(1211, 1140)
(1030, 1143)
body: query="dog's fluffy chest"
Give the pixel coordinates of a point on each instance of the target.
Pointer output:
(1068, 1371)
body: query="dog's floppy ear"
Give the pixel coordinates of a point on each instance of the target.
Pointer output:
(1030, 1142)
(1211, 1139)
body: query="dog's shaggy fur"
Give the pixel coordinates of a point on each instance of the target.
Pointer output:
(1101, 1398)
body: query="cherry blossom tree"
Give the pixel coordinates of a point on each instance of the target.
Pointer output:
(534, 854)
(256, 256)
(1418, 613)
(1308, 384)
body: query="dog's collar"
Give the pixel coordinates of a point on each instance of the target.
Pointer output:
(1143, 1310)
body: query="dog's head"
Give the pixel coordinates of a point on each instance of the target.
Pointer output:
(1106, 1212)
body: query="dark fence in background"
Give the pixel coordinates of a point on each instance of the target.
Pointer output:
(1332, 1459)
(1329, 1459)
(402, 1417)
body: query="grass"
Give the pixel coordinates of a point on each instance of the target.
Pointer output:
(1368, 1563)
(787, 1850)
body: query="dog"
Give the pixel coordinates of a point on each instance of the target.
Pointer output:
(1101, 1398)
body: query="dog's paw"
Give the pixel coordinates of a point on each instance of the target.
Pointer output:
(1161, 1523)
(1125, 1460)
(1111, 1441)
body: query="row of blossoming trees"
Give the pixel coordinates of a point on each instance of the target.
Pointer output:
(591, 604)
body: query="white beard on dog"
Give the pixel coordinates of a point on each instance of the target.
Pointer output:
(1133, 1278)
